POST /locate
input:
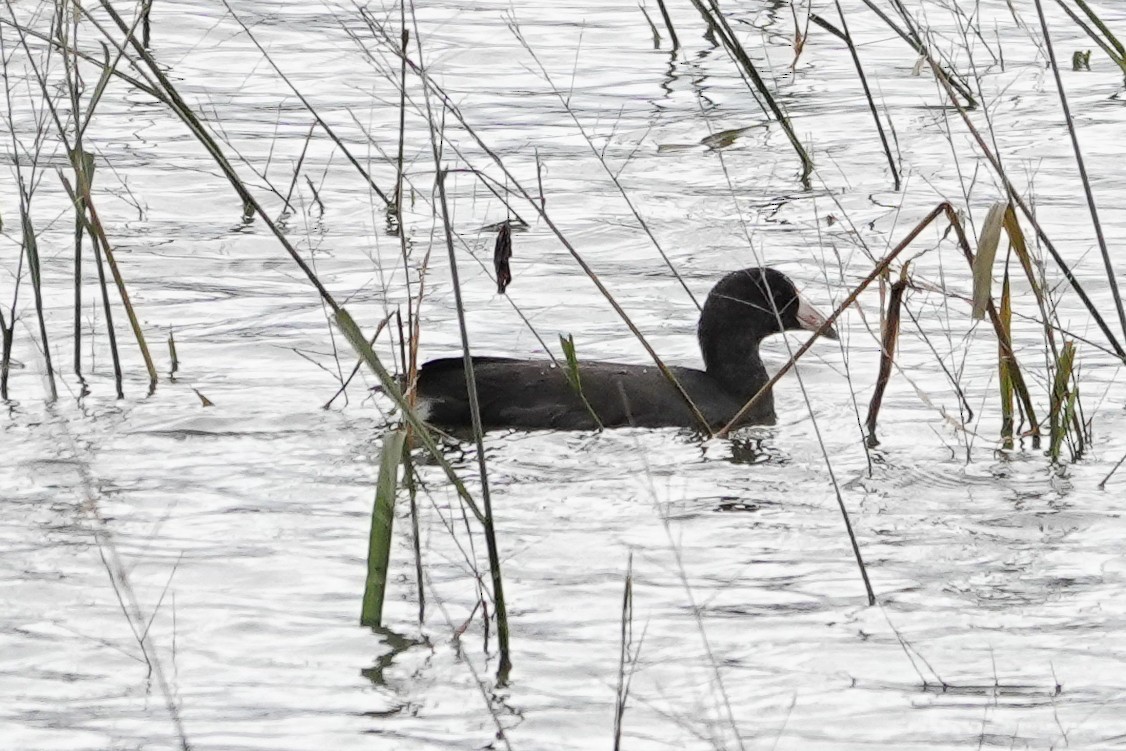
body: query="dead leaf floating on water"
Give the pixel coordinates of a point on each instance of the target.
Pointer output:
(502, 253)
(724, 138)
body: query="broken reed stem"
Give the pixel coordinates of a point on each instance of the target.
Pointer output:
(1082, 168)
(1105, 30)
(847, 35)
(887, 354)
(1062, 404)
(1005, 365)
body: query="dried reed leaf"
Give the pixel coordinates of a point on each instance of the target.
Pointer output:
(1019, 245)
(502, 254)
(983, 262)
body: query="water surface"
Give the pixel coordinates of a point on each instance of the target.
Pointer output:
(236, 533)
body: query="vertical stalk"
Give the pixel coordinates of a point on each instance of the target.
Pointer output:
(478, 432)
(70, 64)
(668, 25)
(505, 665)
(31, 247)
(146, 29)
(868, 94)
(410, 361)
(109, 316)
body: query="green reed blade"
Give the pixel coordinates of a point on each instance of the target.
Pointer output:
(382, 521)
(1005, 364)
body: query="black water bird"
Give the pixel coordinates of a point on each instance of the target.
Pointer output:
(741, 310)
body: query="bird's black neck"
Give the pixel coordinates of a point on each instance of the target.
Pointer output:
(735, 363)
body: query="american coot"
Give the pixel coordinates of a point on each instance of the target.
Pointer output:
(738, 315)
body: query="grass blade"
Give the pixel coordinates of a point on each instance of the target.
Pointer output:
(572, 373)
(382, 521)
(1005, 365)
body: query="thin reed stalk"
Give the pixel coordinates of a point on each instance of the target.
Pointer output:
(625, 655)
(410, 362)
(717, 24)
(30, 246)
(82, 165)
(505, 664)
(73, 84)
(847, 36)
(111, 334)
(328, 129)
(913, 38)
(668, 25)
(146, 24)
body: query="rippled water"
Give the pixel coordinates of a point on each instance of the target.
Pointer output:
(236, 534)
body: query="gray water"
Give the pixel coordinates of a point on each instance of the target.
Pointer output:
(236, 534)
